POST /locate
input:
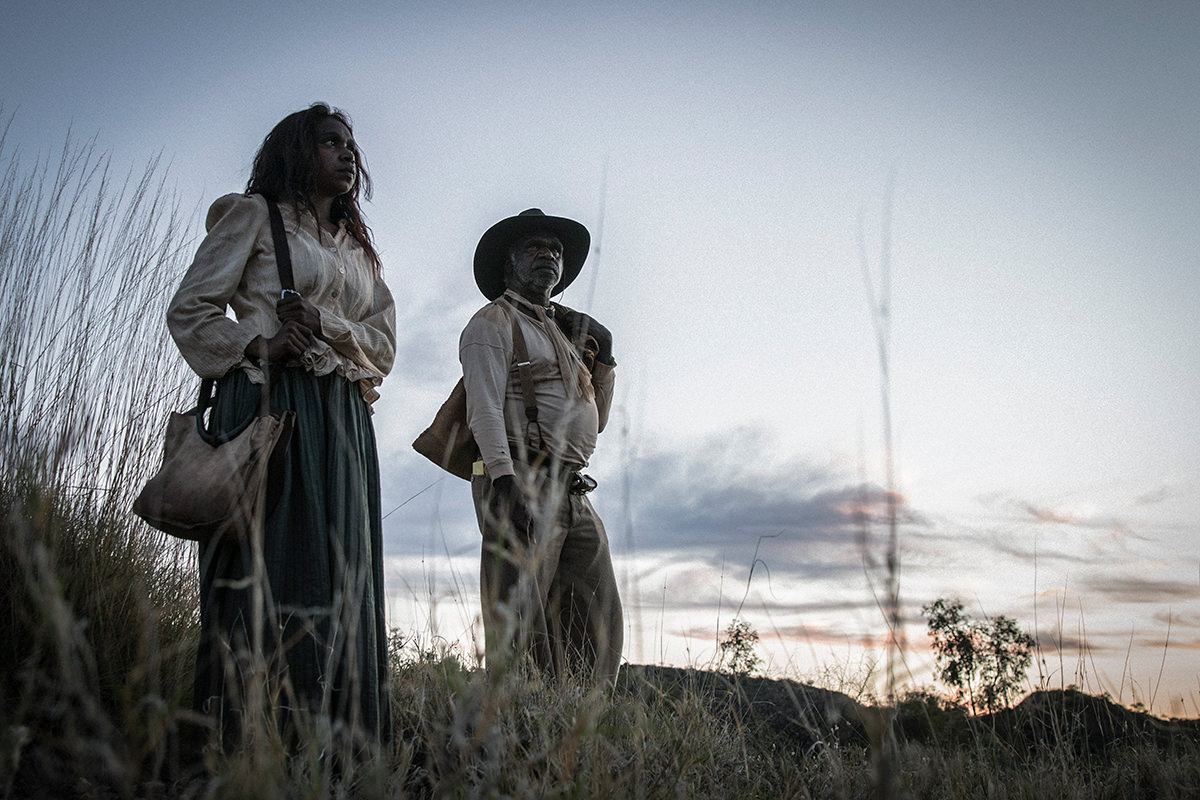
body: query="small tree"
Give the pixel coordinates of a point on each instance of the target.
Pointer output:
(737, 648)
(983, 661)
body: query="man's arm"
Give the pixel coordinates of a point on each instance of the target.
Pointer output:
(603, 377)
(594, 341)
(485, 351)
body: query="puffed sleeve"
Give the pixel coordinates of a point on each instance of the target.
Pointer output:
(210, 341)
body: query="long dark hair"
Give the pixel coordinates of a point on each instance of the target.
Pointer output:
(285, 170)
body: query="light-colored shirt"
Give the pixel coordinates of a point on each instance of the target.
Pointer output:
(570, 421)
(235, 268)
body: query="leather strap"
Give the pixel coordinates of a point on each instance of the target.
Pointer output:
(283, 254)
(529, 397)
(283, 259)
(525, 370)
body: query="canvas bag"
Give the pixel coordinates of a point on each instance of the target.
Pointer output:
(448, 442)
(209, 486)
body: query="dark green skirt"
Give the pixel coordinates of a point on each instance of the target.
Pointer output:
(323, 651)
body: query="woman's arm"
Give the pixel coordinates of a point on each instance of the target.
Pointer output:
(210, 341)
(369, 342)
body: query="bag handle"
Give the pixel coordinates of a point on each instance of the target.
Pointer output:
(283, 260)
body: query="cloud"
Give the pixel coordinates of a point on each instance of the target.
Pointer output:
(1155, 496)
(721, 505)
(1142, 590)
(1084, 519)
(1057, 640)
(1185, 620)
(807, 634)
(1041, 514)
(426, 510)
(725, 493)
(427, 341)
(1008, 542)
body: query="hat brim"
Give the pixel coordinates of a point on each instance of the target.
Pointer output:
(491, 254)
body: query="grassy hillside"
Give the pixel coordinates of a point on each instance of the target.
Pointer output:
(97, 708)
(98, 613)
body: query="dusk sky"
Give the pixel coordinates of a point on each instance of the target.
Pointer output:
(1045, 287)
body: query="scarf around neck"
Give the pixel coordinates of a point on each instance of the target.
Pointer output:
(575, 376)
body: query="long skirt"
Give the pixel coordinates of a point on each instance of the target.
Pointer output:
(302, 636)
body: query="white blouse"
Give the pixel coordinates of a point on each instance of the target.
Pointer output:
(235, 269)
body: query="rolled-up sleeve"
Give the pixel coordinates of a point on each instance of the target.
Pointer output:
(603, 379)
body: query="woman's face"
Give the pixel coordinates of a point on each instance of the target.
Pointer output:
(336, 167)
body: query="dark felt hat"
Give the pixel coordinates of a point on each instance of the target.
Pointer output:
(491, 253)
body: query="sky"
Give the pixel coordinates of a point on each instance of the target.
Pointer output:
(1021, 180)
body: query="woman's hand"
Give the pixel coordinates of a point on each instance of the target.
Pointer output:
(291, 340)
(294, 308)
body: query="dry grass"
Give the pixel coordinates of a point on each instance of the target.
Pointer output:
(99, 612)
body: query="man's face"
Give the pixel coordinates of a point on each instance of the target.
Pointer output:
(536, 266)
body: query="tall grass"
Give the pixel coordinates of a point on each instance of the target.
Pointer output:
(99, 613)
(883, 742)
(97, 610)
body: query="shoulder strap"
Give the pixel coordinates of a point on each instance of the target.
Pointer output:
(524, 368)
(283, 255)
(525, 371)
(283, 258)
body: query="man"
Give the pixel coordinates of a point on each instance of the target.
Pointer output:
(538, 379)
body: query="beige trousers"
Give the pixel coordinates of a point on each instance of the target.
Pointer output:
(552, 594)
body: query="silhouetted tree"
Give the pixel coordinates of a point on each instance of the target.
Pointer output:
(983, 661)
(737, 648)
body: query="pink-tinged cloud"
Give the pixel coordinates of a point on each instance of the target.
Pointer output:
(803, 634)
(1040, 514)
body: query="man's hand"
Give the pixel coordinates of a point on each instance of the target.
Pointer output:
(294, 308)
(579, 326)
(512, 504)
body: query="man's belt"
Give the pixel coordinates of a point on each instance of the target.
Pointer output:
(577, 482)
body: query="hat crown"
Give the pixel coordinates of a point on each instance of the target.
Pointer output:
(491, 252)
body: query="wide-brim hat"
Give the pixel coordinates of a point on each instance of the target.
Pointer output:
(491, 254)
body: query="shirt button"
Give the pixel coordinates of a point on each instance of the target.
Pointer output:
(334, 293)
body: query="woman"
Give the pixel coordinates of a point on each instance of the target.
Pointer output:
(309, 623)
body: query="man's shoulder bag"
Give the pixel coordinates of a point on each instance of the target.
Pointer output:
(448, 441)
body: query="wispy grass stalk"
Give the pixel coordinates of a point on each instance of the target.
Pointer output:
(880, 303)
(97, 606)
(98, 612)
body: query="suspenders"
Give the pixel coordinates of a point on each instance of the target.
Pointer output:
(525, 370)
